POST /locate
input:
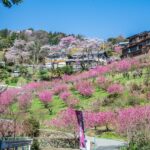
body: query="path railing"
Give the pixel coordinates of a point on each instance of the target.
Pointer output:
(19, 142)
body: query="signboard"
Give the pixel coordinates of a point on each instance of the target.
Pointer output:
(79, 115)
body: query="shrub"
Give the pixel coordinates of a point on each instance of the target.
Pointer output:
(65, 95)
(107, 101)
(85, 88)
(135, 87)
(31, 127)
(67, 70)
(24, 99)
(96, 105)
(60, 87)
(115, 89)
(35, 145)
(23, 71)
(7, 81)
(135, 124)
(126, 75)
(43, 74)
(4, 74)
(14, 80)
(102, 82)
(72, 102)
(58, 72)
(123, 65)
(45, 96)
(132, 101)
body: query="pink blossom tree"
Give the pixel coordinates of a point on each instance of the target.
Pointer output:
(60, 87)
(115, 89)
(65, 95)
(85, 88)
(24, 100)
(8, 97)
(72, 102)
(65, 121)
(135, 124)
(46, 98)
(99, 119)
(124, 65)
(102, 82)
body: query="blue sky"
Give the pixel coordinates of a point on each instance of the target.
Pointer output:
(92, 18)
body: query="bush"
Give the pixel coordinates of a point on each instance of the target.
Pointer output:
(31, 127)
(65, 95)
(58, 72)
(134, 123)
(140, 145)
(115, 89)
(21, 81)
(4, 74)
(44, 74)
(107, 101)
(103, 82)
(7, 81)
(85, 88)
(35, 145)
(67, 70)
(14, 80)
(96, 106)
(132, 101)
(135, 87)
(23, 71)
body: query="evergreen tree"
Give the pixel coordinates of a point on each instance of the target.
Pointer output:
(10, 3)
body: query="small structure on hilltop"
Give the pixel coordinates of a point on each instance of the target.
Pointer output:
(138, 44)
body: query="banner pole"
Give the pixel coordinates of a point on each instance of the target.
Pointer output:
(80, 121)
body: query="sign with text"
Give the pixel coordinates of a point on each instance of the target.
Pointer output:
(79, 115)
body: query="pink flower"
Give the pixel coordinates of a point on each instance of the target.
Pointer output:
(101, 80)
(85, 88)
(72, 102)
(45, 96)
(124, 65)
(131, 119)
(60, 87)
(65, 95)
(24, 99)
(8, 96)
(115, 89)
(66, 121)
(99, 119)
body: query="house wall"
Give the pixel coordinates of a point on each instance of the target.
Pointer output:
(137, 45)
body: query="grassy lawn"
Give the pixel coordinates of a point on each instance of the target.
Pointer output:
(85, 102)
(111, 135)
(41, 113)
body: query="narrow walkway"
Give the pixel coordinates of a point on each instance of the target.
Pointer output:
(106, 144)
